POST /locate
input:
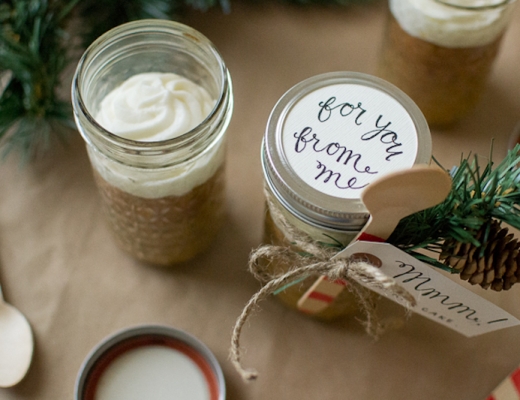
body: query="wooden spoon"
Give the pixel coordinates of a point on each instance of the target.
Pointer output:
(16, 344)
(400, 194)
(388, 200)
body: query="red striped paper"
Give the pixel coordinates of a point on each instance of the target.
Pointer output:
(509, 388)
(320, 295)
(323, 292)
(367, 237)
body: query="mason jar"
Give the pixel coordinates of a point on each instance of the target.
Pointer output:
(441, 52)
(164, 198)
(328, 138)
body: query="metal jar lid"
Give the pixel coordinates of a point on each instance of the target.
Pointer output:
(151, 361)
(330, 135)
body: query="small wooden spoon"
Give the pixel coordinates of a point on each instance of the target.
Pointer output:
(400, 194)
(16, 344)
(388, 200)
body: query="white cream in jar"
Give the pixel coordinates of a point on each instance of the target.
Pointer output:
(452, 25)
(154, 107)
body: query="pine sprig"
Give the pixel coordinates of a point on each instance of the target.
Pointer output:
(32, 58)
(478, 196)
(100, 17)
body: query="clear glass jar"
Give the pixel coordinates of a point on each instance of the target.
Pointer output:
(326, 139)
(441, 52)
(164, 200)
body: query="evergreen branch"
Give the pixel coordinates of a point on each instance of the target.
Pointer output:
(478, 196)
(33, 50)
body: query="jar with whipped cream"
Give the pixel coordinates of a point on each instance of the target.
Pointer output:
(441, 52)
(328, 138)
(153, 100)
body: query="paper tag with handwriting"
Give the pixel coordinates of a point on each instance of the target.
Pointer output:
(339, 138)
(438, 297)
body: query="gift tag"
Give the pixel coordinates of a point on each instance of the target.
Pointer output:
(438, 297)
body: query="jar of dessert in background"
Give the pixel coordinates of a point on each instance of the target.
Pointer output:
(327, 138)
(153, 99)
(441, 52)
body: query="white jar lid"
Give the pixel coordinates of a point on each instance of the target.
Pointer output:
(150, 361)
(330, 136)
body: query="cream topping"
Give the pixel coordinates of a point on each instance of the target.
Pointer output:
(151, 107)
(154, 106)
(448, 26)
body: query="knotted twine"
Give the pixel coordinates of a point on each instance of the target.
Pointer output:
(314, 259)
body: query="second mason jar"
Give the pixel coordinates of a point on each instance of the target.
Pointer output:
(327, 138)
(153, 99)
(441, 52)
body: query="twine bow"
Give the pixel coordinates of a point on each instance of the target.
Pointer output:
(321, 263)
(313, 259)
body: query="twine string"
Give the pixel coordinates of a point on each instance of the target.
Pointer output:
(315, 259)
(338, 268)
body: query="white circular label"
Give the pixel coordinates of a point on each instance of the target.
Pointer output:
(339, 138)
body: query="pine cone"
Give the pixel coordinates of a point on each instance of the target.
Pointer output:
(493, 265)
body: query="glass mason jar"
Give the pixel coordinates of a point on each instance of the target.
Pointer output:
(326, 139)
(164, 200)
(441, 52)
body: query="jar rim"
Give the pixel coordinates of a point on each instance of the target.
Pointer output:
(303, 200)
(482, 7)
(142, 27)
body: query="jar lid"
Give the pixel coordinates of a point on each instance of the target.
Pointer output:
(330, 136)
(150, 361)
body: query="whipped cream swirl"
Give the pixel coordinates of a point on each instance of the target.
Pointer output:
(154, 106)
(449, 26)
